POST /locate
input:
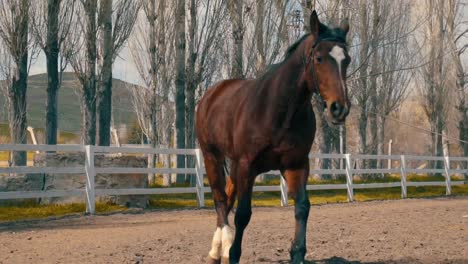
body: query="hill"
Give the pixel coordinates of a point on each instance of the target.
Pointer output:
(69, 113)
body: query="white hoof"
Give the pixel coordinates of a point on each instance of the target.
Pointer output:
(215, 252)
(228, 238)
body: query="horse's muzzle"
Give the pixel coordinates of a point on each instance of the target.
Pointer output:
(338, 113)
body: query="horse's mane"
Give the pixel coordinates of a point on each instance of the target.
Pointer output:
(291, 49)
(324, 33)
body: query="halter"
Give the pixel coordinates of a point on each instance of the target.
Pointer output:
(293, 98)
(311, 57)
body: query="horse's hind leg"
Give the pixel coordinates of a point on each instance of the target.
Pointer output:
(214, 170)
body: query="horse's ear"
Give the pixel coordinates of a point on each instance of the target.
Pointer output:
(314, 24)
(344, 25)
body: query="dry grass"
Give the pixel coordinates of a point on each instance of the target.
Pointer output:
(32, 210)
(316, 197)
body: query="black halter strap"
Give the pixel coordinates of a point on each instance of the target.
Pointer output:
(294, 97)
(311, 57)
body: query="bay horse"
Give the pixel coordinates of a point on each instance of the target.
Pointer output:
(268, 124)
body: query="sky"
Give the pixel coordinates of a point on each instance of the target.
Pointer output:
(123, 68)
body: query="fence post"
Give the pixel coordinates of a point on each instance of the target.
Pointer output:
(90, 175)
(448, 183)
(284, 191)
(199, 183)
(349, 178)
(404, 191)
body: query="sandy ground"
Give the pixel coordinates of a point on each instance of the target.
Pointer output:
(404, 231)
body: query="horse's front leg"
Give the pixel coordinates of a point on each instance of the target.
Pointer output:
(297, 181)
(244, 184)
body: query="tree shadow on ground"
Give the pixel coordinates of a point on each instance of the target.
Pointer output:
(332, 260)
(339, 260)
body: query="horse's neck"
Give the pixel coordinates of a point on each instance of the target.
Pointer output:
(286, 89)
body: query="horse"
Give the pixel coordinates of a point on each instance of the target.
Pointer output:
(267, 124)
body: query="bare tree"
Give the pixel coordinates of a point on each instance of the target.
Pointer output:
(265, 35)
(205, 38)
(236, 15)
(116, 21)
(455, 35)
(434, 88)
(392, 84)
(50, 26)
(14, 32)
(152, 52)
(377, 24)
(361, 94)
(180, 84)
(82, 54)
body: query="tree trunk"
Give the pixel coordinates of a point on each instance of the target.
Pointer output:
(362, 132)
(307, 7)
(380, 138)
(51, 51)
(18, 122)
(104, 95)
(462, 104)
(167, 178)
(152, 113)
(439, 147)
(190, 87)
(19, 86)
(372, 118)
(89, 87)
(236, 8)
(363, 94)
(180, 85)
(167, 113)
(261, 56)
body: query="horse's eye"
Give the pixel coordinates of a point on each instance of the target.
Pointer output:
(319, 59)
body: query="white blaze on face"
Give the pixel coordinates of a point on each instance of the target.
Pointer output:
(338, 54)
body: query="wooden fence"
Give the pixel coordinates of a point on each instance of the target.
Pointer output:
(90, 192)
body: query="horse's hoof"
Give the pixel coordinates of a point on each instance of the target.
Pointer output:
(210, 260)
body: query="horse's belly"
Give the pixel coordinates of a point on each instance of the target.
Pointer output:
(282, 159)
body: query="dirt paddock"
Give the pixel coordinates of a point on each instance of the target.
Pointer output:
(403, 231)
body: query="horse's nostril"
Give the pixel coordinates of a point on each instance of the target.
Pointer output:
(336, 109)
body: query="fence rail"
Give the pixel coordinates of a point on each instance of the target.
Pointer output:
(90, 192)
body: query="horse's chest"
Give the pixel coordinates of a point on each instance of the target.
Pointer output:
(292, 143)
(292, 150)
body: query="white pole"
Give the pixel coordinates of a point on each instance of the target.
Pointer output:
(445, 149)
(341, 146)
(33, 136)
(349, 178)
(404, 192)
(199, 182)
(90, 175)
(284, 191)
(390, 153)
(116, 136)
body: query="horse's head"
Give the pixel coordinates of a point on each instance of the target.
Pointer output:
(327, 62)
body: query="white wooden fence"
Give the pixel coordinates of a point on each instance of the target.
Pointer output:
(90, 192)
